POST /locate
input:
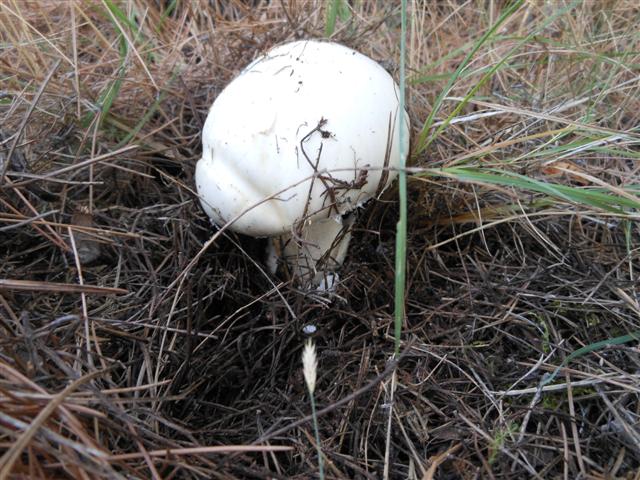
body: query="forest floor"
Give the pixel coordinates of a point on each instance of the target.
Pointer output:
(131, 348)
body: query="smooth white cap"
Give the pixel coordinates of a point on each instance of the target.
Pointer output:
(252, 138)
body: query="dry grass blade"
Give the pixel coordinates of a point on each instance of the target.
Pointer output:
(438, 459)
(223, 449)
(178, 355)
(34, 286)
(76, 166)
(11, 455)
(17, 135)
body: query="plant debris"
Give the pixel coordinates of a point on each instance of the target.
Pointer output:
(523, 248)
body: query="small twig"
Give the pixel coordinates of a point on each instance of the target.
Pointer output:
(438, 459)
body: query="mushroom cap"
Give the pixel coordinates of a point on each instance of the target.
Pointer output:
(307, 131)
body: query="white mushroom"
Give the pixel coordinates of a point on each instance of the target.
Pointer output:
(302, 137)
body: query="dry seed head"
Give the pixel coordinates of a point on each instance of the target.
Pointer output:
(309, 365)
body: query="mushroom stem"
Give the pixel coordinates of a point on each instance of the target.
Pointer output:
(317, 251)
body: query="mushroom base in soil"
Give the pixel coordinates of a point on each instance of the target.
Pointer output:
(315, 255)
(302, 137)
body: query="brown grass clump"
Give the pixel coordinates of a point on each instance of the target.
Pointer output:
(129, 351)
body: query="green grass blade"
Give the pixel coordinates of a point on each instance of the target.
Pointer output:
(621, 340)
(599, 198)
(422, 137)
(423, 142)
(332, 15)
(343, 11)
(143, 121)
(121, 16)
(401, 228)
(109, 94)
(166, 14)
